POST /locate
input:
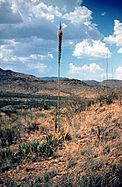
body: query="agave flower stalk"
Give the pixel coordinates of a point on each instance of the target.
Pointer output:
(59, 35)
(107, 74)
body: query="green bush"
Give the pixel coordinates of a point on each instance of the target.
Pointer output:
(5, 154)
(29, 151)
(107, 99)
(44, 148)
(32, 128)
(9, 136)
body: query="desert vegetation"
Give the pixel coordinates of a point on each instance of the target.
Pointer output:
(86, 151)
(57, 131)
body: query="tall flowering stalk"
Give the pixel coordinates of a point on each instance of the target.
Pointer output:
(107, 74)
(59, 35)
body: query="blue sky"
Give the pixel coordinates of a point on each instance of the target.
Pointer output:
(92, 31)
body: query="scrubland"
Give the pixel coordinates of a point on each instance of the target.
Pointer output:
(86, 152)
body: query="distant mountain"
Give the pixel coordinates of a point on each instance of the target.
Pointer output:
(64, 80)
(92, 82)
(14, 82)
(8, 75)
(53, 78)
(11, 81)
(74, 82)
(11, 76)
(112, 83)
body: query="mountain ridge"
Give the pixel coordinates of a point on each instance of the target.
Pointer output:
(9, 76)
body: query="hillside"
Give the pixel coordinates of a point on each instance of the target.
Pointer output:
(112, 83)
(92, 82)
(86, 154)
(52, 78)
(87, 150)
(14, 82)
(8, 75)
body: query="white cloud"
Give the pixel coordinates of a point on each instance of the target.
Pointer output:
(92, 68)
(118, 73)
(29, 10)
(40, 18)
(7, 15)
(116, 37)
(120, 50)
(46, 11)
(93, 48)
(34, 58)
(50, 55)
(79, 15)
(7, 56)
(34, 36)
(40, 67)
(32, 61)
(64, 25)
(31, 48)
(65, 5)
(103, 13)
(5, 53)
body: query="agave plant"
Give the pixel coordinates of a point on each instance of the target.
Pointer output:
(25, 149)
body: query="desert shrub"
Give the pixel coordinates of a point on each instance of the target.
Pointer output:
(106, 149)
(110, 98)
(110, 178)
(28, 151)
(8, 110)
(93, 165)
(8, 158)
(32, 128)
(108, 134)
(107, 99)
(43, 129)
(68, 137)
(70, 163)
(37, 182)
(93, 131)
(88, 181)
(87, 153)
(44, 148)
(75, 105)
(11, 183)
(48, 175)
(101, 99)
(65, 181)
(107, 118)
(9, 136)
(24, 150)
(91, 103)
(104, 134)
(43, 180)
(5, 154)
